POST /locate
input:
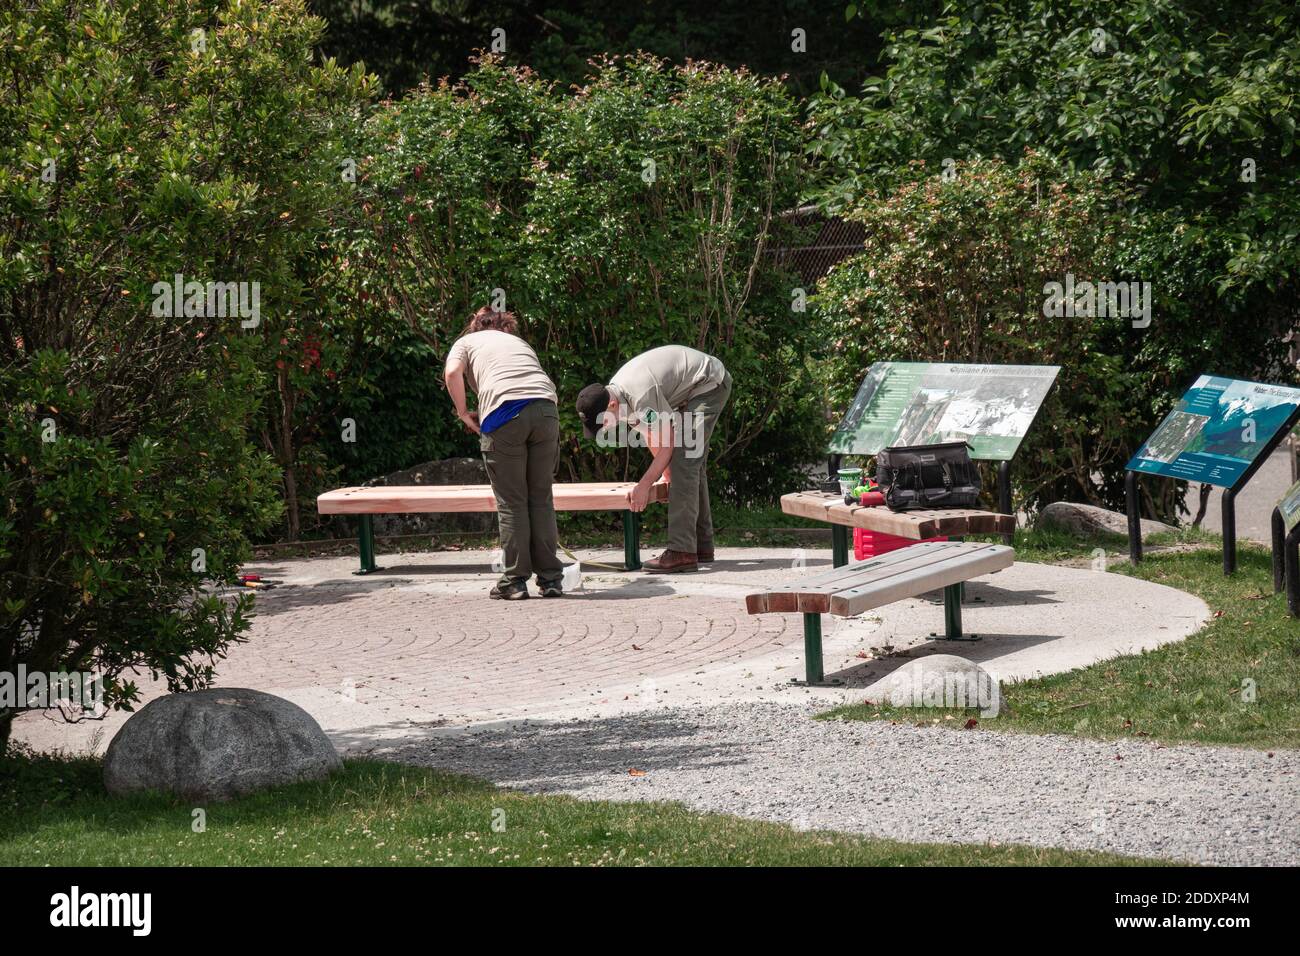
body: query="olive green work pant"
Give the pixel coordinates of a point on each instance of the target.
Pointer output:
(690, 519)
(521, 457)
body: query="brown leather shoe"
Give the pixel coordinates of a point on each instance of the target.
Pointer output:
(672, 562)
(705, 557)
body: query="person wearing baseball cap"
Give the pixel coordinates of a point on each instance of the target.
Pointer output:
(673, 395)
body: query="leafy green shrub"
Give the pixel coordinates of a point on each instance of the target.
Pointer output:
(398, 392)
(637, 211)
(133, 148)
(1176, 94)
(1192, 102)
(954, 270)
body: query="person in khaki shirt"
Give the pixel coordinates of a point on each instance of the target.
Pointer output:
(518, 426)
(673, 396)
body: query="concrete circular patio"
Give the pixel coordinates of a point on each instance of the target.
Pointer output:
(417, 646)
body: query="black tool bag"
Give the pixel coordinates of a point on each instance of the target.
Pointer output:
(929, 476)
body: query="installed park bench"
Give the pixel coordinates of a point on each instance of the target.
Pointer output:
(906, 573)
(406, 499)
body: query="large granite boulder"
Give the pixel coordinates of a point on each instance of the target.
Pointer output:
(446, 471)
(1089, 520)
(217, 744)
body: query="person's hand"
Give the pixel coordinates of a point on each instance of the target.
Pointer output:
(471, 421)
(667, 476)
(638, 497)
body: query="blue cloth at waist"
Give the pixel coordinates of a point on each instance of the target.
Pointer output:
(504, 413)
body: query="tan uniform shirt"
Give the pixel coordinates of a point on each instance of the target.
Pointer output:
(500, 367)
(664, 380)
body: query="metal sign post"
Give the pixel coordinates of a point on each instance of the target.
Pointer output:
(1286, 548)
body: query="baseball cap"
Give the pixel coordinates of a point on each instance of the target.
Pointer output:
(592, 403)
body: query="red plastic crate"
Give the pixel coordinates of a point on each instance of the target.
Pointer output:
(869, 544)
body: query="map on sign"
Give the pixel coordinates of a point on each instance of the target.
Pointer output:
(1216, 430)
(1290, 507)
(921, 403)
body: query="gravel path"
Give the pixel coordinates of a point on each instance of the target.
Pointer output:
(932, 783)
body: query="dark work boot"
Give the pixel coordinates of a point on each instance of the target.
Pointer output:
(672, 562)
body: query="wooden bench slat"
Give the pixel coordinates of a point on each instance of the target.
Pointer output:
(884, 563)
(907, 572)
(917, 525)
(954, 570)
(396, 499)
(805, 506)
(835, 577)
(813, 594)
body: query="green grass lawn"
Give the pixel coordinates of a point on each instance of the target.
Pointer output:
(55, 810)
(1199, 690)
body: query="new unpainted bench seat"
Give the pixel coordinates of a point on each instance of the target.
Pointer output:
(404, 499)
(906, 573)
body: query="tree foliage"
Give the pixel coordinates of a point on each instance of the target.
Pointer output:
(1188, 108)
(405, 42)
(1176, 94)
(639, 210)
(134, 149)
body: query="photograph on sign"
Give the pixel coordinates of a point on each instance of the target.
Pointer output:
(1174, 434)
(1290, 507)
(918, 403)
(1217, 430)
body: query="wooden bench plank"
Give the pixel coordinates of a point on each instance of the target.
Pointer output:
(908, 572)
(806, 505)
(917, 525)
(396, 499)
(987, 559)
(813, 595)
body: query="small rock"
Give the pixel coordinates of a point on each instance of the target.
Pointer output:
(940, 680)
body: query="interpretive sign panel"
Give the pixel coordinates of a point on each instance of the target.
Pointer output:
(1218, 428)
(920, 403)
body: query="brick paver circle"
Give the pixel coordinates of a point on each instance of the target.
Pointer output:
(385, 657)
(404, 649)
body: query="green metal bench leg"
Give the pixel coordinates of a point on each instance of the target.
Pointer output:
(366, 539)
(839, 545)
(952, 597)
(814, 673)
(632, 540)
(812, 648)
